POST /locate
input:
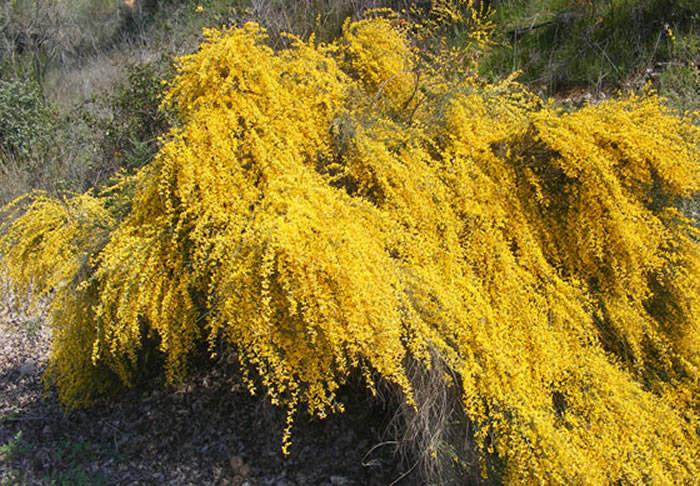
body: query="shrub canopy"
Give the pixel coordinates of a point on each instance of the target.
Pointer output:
(339, 208)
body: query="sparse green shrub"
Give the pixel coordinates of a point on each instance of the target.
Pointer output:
(679, 81)
(26, 122)
(130, 136)
(68, 462)
(14, 447)
(36, 35)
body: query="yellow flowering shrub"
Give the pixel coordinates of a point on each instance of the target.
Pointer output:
(379, 55)
(293, 218)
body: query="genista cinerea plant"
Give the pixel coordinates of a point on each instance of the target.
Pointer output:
(354, 208)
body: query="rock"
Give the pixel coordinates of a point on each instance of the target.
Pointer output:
(340, 481)
(28, 368)
(240, 468)
(236, 463)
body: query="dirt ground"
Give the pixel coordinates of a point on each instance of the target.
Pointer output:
(208, 431)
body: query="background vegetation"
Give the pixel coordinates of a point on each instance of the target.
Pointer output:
(74, 65)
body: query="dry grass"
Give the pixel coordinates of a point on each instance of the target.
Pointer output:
(71, 84)
(322, 17)
(434, 439)
(14, 180)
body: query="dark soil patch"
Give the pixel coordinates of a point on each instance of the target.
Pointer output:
(207, 431)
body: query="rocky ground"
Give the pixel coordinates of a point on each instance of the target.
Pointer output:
(208, 431)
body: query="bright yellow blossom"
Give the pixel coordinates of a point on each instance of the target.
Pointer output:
(329, 210)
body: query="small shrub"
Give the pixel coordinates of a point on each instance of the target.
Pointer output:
(28, 146)
(130, 136)
(679, 82)
(41, 34)
(16, 446)
(26, 122)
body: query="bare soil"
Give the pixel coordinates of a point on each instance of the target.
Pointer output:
(207, 431)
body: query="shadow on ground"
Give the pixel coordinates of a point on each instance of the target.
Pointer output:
(208, 431)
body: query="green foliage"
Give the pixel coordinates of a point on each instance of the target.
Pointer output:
(14, 447)
(10, 451)
(69, 461)
(680, 79)
(28, 142)
(130, 136)
(73, 457)
(559, 44)
(26, 122)
(82, 147)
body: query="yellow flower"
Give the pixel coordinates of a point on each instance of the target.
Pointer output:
(199, 9)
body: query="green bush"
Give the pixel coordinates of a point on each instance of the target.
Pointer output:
(680, 80)
(131, 134)
(26, 122)
(560, 44)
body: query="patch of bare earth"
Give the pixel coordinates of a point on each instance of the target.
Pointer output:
(208, 431)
